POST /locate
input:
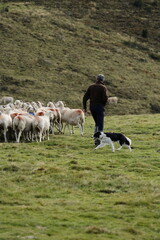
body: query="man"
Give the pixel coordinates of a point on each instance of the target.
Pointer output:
(98, 95)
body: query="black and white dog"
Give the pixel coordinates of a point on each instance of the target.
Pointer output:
(109, 138)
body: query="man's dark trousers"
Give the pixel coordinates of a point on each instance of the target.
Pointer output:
(97, 111)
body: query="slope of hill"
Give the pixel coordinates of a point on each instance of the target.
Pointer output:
(53, 51)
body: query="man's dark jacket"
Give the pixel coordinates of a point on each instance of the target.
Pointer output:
(97, 93)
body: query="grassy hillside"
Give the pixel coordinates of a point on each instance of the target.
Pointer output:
(53, 51)
(62, 189)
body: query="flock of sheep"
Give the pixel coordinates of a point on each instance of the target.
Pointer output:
(30, 121)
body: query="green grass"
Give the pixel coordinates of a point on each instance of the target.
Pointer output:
(63, 189)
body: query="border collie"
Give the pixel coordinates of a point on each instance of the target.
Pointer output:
(109, 138)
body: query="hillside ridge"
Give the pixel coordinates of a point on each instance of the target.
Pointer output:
(53, 51)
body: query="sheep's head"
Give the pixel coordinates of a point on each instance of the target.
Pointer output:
(59, 104)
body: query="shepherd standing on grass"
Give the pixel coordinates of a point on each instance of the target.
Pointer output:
(98, 95)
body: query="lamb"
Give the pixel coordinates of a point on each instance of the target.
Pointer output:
(5, 123)
(73, 117)
(113, 100)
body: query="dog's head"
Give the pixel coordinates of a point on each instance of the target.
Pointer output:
(97, 135)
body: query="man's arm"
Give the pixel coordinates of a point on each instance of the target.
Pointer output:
(105, 96)
(85, 99)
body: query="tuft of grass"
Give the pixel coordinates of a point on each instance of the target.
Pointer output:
(96, 230)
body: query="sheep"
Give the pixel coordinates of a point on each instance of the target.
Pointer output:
(39, 104)
(6, 100)
(73, 117)
(22, 123)
(18, 104)
(33, 105)
(31, 119)
(55, 118)
(2, 108)
(25, 105)
(7, 106)
(41, 125)
(10, 105)
(50, 104)
(5, 123)
(16, 112)
(113, 100)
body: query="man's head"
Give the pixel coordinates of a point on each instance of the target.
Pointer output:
(100, 78)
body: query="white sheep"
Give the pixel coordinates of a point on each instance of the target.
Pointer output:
(5, 123)
(41, 125)
(39, 104)
(22, 123)
(50, 104)
(73, 117)
(6, 100)
(18, 104)
(112, 100)
(55, 118)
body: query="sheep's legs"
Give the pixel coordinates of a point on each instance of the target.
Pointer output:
(5, 135)
(81, 128)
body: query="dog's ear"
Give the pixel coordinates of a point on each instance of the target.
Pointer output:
(97, 134)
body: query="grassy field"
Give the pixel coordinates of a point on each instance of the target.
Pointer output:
(63, 189)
